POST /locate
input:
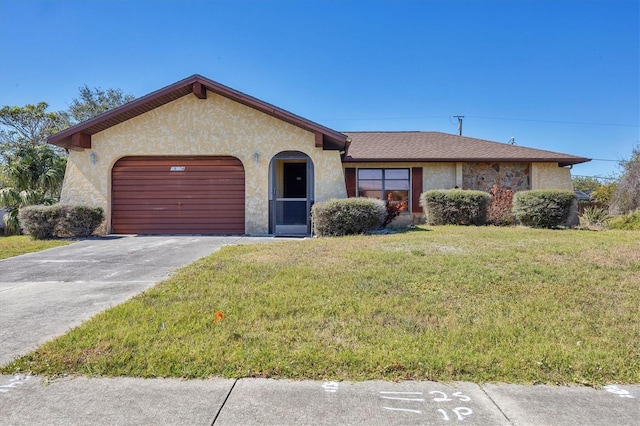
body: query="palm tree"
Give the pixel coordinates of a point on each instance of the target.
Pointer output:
(32, 176)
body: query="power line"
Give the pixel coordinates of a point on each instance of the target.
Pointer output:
(532, 120)
(555, 121)
(595, 177)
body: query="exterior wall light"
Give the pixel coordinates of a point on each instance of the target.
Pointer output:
(256, 155)
(93, 158)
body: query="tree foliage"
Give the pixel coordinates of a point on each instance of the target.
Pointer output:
(585, 183)
(33, 175)
(24, 128)
(32, 171)
(604, 194)
(626, 197)
(92, 102)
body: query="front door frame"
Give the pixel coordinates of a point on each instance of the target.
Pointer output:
(276, 199)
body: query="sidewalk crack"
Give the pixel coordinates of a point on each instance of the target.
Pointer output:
(224, 402)
(494, 403)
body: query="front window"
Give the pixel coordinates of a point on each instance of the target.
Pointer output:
(384, 184)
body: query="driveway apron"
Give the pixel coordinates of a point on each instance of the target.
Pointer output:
(44, 294)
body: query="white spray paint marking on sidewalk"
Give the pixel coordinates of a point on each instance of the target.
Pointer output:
(447, 407)
(13, 383)
(330, 387)
(617, 390)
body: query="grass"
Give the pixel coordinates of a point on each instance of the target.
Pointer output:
(22, 244)
(443, 303)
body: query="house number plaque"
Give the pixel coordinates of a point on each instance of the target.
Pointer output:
(177, 168)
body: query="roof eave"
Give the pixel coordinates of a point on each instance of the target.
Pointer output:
(331, 139)
(562, 162)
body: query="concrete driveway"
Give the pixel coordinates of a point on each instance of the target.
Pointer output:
(44, 294)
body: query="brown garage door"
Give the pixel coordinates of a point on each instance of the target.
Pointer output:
(178, 195)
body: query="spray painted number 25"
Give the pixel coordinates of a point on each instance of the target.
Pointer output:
(444, 396)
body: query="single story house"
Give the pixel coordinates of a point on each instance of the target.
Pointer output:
(200, 157)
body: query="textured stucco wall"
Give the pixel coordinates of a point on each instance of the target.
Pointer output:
(550, 176)
(213, 126)
(438, 176)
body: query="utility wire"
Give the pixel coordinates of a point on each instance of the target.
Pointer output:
(582, 123)
(555, 121)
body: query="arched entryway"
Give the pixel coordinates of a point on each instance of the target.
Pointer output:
(291, 183)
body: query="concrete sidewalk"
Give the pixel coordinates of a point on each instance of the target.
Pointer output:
(127, 401)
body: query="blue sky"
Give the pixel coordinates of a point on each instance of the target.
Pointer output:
(561, 75)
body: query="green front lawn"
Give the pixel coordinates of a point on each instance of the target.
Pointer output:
(22, 244)
(439, 303)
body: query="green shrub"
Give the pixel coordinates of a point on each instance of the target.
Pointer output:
(594, 217)
(59, 220)
(78, 221)
(348, 216)
(455, 207)
(629, 221)
(548, 208)
(39, 221)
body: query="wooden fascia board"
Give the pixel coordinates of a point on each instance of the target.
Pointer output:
(199, 90)
(80, 140)
(561, 161)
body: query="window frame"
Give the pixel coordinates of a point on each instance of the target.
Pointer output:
(383, 181)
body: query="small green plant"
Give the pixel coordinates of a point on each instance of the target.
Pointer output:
(350, 216)
(629, 221)
(455, 207)
(594, 218)
(547, 208)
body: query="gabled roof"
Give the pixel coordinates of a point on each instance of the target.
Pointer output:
(79, 136)
(443, 147)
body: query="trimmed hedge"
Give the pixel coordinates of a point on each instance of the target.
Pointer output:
(349, 216)
(39, 221)
(60, 220)
(455, 207)
(78, 221)
(548, 208)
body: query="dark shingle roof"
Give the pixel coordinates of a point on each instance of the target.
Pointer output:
(443, 147)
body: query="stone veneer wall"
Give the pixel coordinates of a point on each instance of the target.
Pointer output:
(212, 126)
(482, 176)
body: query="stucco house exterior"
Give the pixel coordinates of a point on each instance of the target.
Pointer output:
(198, 157)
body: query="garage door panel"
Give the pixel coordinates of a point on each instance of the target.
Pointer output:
(212, 188)
(212, 208)
(207, 197)
(201, 195)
